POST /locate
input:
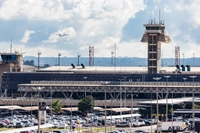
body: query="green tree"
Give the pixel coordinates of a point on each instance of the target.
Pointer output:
(145, 112)
(56, 106)
(196, 106)
(86, 104)
(171, 110)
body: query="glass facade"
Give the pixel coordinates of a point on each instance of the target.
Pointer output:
(9, 58)
(11, 80)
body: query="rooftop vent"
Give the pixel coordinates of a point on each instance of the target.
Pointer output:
(83, 66)
(73, 66)
(188, 67)
(183, 67)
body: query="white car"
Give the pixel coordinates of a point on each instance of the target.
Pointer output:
(137, 123)
(123, 124)
(62, 125)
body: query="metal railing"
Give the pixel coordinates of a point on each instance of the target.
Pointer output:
(118, 83)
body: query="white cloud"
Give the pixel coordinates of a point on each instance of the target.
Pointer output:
(54, 37)
(26, 36)
(98, 23)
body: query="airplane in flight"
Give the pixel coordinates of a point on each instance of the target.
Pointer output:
(61, 35)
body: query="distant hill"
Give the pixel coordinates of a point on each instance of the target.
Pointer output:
(106, 61)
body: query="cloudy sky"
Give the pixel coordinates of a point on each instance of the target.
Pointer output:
(34, 26)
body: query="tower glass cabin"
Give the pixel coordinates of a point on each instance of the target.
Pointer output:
(154, 36)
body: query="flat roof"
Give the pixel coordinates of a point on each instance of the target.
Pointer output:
(27, 128)
(121, 109)
(171, 101)
(76, 109)
(102, 109)
(122, 116)
(14, 107)
(139, 69)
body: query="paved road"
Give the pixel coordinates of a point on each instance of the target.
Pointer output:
(127, 129)
(149, 129)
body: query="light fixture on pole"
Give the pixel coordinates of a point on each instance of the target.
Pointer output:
(193, 123)
(85, 85)
(157, 78)
(184, 86)
(39, 53)
(105, 83)
(59, 54)
(167, 77)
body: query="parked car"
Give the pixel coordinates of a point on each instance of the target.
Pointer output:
(147, 123)
(121, 131)
(60, 131)
(12, 124)
(114, 131)
(3, 124)
(90, 124)
(62, 125)
(140, 131)
(123, 124)
(152, 121)
(19, 125)
(27, 123)
(137, 123)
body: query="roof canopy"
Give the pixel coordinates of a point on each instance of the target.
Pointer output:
(171, 101)
(14, 107)
(122, 109)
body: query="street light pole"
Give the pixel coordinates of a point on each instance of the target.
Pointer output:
(105, 83)
(132, 108)
(151, 111)
(31, 105)
(39, 53)
(51, 103)
(184, 85)
(157, 78)
(85, 85)
(120, 94)
(59, 54)
(71, 109)
(125, 90)
(167, 77)
(38, 89)
(172, 113)
(193, 114)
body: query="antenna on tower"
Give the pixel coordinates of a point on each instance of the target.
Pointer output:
(193, 60)
(11, 45)
(159, 17)
(150, 19)
(91, 55)
(162, 18)
(115, 50)
(78, 55)
(177, 55)
(112, 56)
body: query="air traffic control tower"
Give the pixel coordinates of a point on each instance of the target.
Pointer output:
(154, 36)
